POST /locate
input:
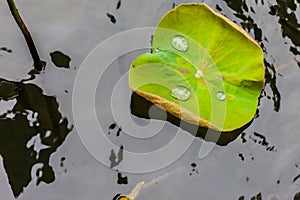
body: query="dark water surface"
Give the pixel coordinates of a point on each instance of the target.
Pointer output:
(42, 156)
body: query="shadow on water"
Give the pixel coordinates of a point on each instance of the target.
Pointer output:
(29, 133)
(140, 107)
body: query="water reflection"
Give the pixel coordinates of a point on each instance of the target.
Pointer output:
(114, 158)
(140, 107)
(285, 11)
(30, 132)
(262, 140)
(248, 23)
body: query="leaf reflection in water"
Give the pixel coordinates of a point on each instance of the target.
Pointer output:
(34, 115)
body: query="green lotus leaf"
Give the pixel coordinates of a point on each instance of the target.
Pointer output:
(203, 69)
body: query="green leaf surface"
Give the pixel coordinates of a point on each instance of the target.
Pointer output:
(199, 52)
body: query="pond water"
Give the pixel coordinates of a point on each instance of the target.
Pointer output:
(45, 155)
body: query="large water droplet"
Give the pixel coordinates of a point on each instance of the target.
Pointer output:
(221, 96)
(181, 93)
(179, 43)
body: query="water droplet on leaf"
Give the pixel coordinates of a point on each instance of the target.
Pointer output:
(221, 96)
(181, 93)
(179, 43)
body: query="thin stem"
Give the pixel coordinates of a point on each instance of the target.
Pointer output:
(38, 63)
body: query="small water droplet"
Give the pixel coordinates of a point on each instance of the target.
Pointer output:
(181, 93)
(221, 95)
(179, 43)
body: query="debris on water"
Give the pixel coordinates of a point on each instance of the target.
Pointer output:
(60, 59)
(296, 178)
(111, 17)
(247, 179)
(260, 139)
(122, 180)
(118, 4)
(194, 170)
(241, 156)
(114, 126)
(119, 131)
(62, 159)
(6, 49)
(193, 165)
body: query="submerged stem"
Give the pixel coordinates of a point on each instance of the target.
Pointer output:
(38, 63)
